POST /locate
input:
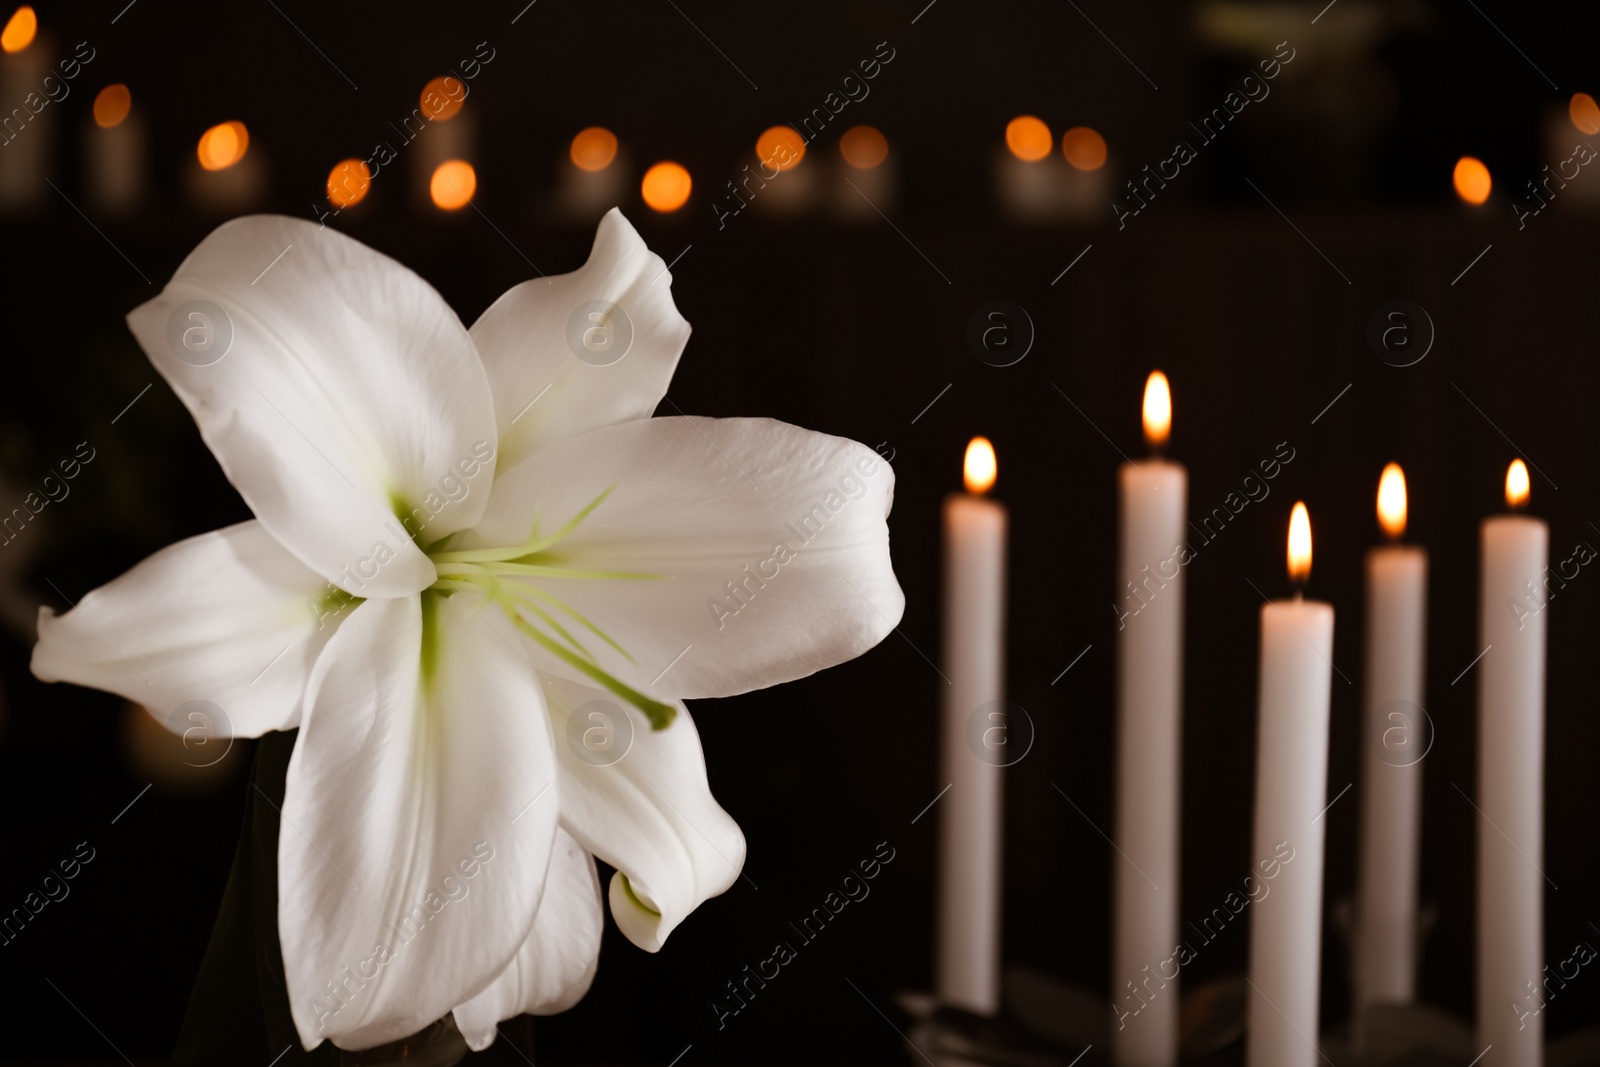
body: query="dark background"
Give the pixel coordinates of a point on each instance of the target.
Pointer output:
(848, 329)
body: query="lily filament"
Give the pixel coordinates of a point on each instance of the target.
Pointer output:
(502, 576)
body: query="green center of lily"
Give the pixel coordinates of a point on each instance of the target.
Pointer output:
(508, 577)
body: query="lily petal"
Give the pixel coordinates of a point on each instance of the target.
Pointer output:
(419, 815)
(228, 617)
(555, 966)
(647, 811)
(768, 544)
(530, 340)
(348, 394)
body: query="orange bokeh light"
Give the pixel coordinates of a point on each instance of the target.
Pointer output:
(442, 98)
(111, 105)
(666, 186)
(20, 30)
(348, 183)
(780, 147)
(1584, 113)
(1084, 148)
(1028, 138)
(223, 145)
(594, 148)
(863, 147)
(453, 184)
(1472, 180)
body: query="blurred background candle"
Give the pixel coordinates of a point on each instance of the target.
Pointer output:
(1291, 793)
(1568, 179)
(592, 176)
(226, 177)
(114, 151)
(29, 130)
(445, 132)
(1028, 175)
(1152, 499)
(1394, 736)
(968, 954)
(1086, 183)
(777, 182)
(866, 176)
(1511, 628)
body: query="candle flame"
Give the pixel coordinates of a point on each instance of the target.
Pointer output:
(19, 30)
(1299, 543)
(1157, 409)
(979, 467)
(1517, 484)
(1392, 500)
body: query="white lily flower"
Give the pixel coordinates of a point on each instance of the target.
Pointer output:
(462, 540)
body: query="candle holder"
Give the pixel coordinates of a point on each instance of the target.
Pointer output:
(949, 1036)
(1045, 1022)
(1416, 1035)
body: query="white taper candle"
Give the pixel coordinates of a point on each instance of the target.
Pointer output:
(1511, 628)
(968, 952)
(1152, 498)
(1291, 798)
(1395, 733)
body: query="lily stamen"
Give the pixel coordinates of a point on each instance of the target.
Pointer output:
(484, 569)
